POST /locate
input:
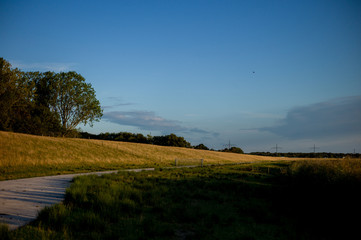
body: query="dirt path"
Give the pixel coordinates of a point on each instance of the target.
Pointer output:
(22, 199)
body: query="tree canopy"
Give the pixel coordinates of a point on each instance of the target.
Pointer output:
(13, 93)
(171, 140)
(167, 140)
(45, 103)
(233, 150)
(201, 146)
(74, 101)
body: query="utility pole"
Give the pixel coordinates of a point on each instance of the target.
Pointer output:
(314, 148)
(229, 145)
(277, 147)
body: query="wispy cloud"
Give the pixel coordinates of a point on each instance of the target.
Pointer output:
(117, 105)
(335, 118)
(44, 66)
(202, 132)
(148, 120)
(249, 130)
(257, 115)
(145, 120)
(116, 102)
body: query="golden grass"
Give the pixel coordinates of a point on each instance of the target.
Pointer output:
(328, 171)
(23, 155)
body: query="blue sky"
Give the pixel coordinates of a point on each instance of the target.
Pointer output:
(256, 73)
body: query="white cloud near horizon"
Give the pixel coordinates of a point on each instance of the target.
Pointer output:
(339, 117)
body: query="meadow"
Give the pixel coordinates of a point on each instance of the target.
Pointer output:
(252, 197)
(23, 155)
(274, 200)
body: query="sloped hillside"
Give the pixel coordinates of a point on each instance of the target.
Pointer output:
(23, 155)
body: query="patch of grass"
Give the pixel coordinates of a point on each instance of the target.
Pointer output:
(324, 195)
(219, 202)
(250, 201)
(346, 171)
(23, 155)
(260, 200)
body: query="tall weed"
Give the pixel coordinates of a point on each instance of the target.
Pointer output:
(325, 196)
(346, 171)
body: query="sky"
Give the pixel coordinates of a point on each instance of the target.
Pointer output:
(250, 73)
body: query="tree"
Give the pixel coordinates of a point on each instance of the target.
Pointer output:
(15, 95)
(171, 140)
(201, 146)
(45, 103)
(74, 101)
(233, 150)
(45, 121)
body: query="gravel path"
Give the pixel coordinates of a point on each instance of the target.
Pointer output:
(22, 199)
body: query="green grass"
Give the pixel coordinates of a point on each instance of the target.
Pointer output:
(258, 201)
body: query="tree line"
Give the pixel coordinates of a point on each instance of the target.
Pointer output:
(308, 155)
(167, 140)
(45, 103)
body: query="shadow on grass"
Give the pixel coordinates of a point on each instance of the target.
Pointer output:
(224, 202)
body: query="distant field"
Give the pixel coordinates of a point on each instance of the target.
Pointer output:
(23, 155)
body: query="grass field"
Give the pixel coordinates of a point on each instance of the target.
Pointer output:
(274, 200)
(23, 155)
(265, 198)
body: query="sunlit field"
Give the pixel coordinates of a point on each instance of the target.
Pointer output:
(23, 155)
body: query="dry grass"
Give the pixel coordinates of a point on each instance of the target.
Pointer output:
(327, 172)
(23, 155)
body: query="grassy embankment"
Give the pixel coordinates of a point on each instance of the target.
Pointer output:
(23, 155)
(299, 200)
